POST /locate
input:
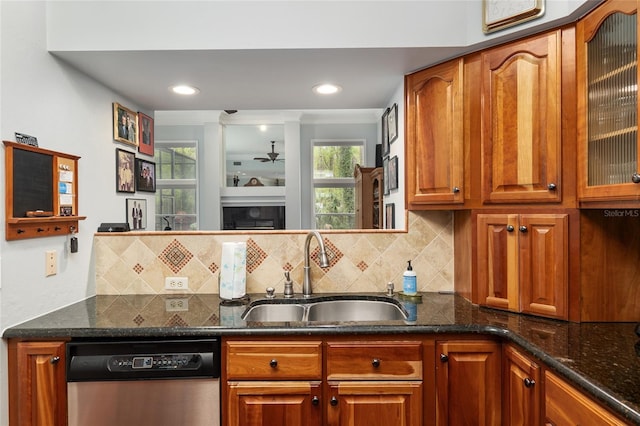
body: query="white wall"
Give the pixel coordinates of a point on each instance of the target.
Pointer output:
(397, 149)
(70, 113)
(227, 24)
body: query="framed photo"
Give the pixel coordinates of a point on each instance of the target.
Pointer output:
(145, 143)
(393, 173)
(390, 216)
(145, 175)
(125, 164)
(385, 175)
(125, 125)
(137, 213)
(500, 14)
(392, 123)
(385, 133)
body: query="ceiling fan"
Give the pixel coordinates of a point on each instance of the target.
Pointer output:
(271, 156)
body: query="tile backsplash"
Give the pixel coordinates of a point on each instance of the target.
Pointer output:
(138, 262)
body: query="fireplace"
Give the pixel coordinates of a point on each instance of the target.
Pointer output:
(253, 217)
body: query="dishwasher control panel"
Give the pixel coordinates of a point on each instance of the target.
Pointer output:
(157, 361)
(133, 360)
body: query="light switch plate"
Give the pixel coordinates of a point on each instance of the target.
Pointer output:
(50, 263)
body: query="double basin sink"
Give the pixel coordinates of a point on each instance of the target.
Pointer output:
(342, 308)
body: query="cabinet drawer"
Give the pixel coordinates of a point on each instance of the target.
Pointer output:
(374, 360)
(274, 360)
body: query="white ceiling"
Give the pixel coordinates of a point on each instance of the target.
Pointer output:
(267, 55)
(256, 79)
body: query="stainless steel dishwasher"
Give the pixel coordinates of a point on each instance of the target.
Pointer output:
(139, 383)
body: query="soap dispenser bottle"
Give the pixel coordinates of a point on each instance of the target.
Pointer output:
(409, 281)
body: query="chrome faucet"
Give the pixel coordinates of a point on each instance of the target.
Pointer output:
(324, 261)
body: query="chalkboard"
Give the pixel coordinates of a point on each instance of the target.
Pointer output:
(32, 182)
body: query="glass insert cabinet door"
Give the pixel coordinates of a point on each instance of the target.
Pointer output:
(607, 75)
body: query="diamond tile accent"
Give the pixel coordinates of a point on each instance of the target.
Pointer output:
(175, 256)
(176, 321)
(213, 319)
(139, 319)
(288, 267)
(138, 268)
(333, 253)
(213, 268)
(362, 265)
(255, 255)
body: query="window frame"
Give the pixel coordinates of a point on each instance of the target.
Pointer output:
(345, 182)
(177, 183)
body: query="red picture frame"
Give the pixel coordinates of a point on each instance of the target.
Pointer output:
(145, 134)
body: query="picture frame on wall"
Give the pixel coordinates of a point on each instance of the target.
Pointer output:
(145, 132)
(136, 213)
(125, 125)
(393, 173)
(125, 164)
(392, 123)
(145, 175)
(390, 216)
(500, 14)
(385, 133)
(385, 175)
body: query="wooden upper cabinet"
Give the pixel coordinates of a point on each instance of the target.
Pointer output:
(434, 135)
(522, 263)
(607, 80)
(521, 115)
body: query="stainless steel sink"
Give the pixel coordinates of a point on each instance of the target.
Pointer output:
(351, 308)
(274, 312)
(355, 310)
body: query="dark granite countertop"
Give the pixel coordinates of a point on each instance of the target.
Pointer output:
(603, 359)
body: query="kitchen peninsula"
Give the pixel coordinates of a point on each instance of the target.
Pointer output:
(601, 360)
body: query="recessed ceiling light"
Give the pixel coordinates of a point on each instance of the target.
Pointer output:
(183, 89)
(326, 89)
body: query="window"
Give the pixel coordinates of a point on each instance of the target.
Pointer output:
(176, 185)
(333, 182)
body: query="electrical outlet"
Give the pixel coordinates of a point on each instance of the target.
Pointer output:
(177, 304)
(50, 263)
(176, 283)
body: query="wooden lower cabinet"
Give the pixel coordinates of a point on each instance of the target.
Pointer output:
(567, 406)
(468, 382)
(274, 403)
(374, 382)
(374, 403)
(37, 383)
(521, 389)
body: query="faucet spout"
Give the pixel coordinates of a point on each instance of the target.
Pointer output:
(324, 261)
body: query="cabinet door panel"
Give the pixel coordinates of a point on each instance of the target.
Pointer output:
(435, 135)
(273, 404)
(498, 260)
(468, 377)
(375, 403)
(521, 390)
(41, 385)
(564, 405)
(607, 79)
(544, 257)
(522, 116)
